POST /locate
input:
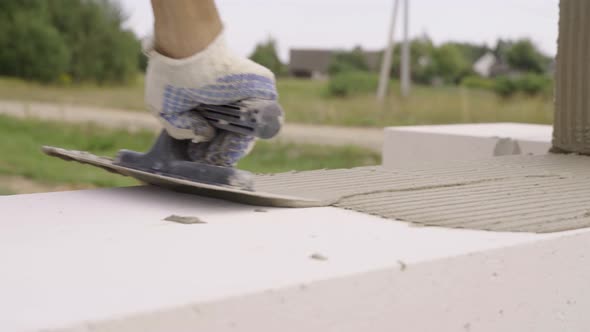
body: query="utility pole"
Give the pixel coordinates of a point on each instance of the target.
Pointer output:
(386, 62)
(405, 62)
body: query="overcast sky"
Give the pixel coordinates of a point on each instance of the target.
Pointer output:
(346, 23)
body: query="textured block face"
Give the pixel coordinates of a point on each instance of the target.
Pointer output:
(572, 92)
(407, 147)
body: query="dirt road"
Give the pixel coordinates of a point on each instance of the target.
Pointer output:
(369, 138)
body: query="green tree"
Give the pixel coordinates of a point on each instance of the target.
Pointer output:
(85, 39)
(524, 56)
(450, 64)
(102, 50)
(266, 54)
(345, 61)
(9, 7)
(421, 63)
(352, 82)
(31, 48)
(471, 52)
(422, 60)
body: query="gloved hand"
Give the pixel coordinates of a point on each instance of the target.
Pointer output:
(214, 76)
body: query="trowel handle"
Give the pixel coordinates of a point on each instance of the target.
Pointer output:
(253, 117)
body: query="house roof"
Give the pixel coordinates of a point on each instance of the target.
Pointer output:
(310, 59)
(319, 60)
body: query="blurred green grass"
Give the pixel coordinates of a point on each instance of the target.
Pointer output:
(306, 101)
(4, 191)
(20, 153)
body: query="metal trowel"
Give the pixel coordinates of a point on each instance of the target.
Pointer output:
(169, 156)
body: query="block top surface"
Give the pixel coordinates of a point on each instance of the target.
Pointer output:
(519, 131)
(90, 255)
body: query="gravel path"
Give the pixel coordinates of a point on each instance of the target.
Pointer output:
(15, 184)
(369, 138)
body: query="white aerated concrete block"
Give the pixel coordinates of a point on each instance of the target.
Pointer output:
(405, 147)
(108, 261)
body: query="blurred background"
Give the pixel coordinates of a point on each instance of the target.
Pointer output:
(469, 62)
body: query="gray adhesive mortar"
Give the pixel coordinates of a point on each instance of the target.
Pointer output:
(514, 193)
(547, 193)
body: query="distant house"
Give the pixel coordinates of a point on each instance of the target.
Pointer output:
(488, 65)
(501, 68)
(314, 63)
(483, 66)
(309, 63)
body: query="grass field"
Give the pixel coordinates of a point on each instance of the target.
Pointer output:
(305, 101)
(125, 97)
(20, 154)
(5, 191)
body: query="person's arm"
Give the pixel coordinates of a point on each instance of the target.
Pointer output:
(189, 66)
(184, 27)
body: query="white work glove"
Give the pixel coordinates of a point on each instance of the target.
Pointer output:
(213, 76)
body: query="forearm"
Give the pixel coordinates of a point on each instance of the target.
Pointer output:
(184, 27)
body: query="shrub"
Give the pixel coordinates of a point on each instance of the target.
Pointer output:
(266, 54)
(352, 82)
(530, 84)
(505, 86)
(534, 84)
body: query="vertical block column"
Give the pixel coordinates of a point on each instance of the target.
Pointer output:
(572, 90)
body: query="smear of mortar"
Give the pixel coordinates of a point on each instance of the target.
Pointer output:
(187, 220)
